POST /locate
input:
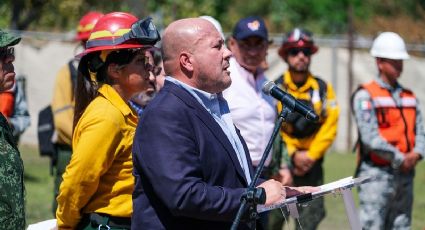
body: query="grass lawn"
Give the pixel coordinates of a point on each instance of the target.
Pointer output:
(39, 189)
(38, 185)
(338, 166)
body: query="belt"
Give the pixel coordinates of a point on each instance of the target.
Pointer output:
(378, 161)
(106, 221)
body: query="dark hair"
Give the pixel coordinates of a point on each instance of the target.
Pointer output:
(157, 57)
(92, 64)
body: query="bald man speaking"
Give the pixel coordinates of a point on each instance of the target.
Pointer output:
(190, 163)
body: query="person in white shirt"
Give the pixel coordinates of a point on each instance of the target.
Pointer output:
(253, 112)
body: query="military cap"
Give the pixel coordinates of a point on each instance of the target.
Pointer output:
(8, 39)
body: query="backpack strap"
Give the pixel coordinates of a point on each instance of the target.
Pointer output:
(74, 73)
(358, 147)
(323, 93)
(323, 88)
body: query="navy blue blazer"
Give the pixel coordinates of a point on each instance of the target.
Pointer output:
(187, 173)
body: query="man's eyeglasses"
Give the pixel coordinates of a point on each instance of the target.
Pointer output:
(259, 45)
(6, 52)
(156, 70)
(294, 52)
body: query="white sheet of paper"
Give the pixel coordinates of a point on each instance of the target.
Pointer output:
(336, 184)
(44, 225)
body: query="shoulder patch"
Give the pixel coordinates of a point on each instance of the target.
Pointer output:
(365, 105)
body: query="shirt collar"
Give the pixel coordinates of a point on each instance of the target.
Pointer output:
(310, 83)
(385, 85)
(116, 100)
(210, 101)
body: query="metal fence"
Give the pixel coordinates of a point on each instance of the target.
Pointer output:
(40, 61)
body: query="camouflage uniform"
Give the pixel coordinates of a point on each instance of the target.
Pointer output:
(386, 202)
(12, 210)
(12, 207)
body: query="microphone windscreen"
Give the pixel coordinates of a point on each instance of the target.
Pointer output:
(268, 86)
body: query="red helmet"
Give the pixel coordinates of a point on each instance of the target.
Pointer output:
(120, 30)
(86, 24)
(297, 38)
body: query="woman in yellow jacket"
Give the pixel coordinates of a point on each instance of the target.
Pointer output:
(98, 183)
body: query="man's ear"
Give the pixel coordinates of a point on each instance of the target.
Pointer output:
(379, 63)
(186, 61)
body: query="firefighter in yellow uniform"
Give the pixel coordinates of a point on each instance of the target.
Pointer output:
(97, 187)
(306, 141)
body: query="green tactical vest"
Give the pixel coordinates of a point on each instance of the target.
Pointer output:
(12, 209)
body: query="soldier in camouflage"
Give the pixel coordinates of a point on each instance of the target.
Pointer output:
(12, 210)
(391, 139)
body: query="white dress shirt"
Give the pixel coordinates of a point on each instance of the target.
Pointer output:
(253, 112)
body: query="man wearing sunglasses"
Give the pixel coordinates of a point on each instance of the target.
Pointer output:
(12, 210)
(307, 141)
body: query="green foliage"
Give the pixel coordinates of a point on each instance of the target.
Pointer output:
(176, 9)
(324, 16)
(5, 14)
(319, 16)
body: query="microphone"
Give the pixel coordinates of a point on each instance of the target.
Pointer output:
(288, 100)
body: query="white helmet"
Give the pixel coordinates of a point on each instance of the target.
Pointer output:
(389, 45)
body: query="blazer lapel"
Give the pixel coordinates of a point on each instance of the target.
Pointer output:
(209, 121)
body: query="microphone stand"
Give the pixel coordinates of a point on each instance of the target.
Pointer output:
(253, 195)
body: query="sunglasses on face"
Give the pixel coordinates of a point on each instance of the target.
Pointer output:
(294, 52)
(6, 52)
(156, 70)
